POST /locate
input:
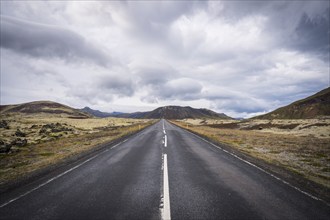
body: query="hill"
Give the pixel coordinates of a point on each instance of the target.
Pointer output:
(314, 106)
(47, 107)
(175, 112)
(178, 112)
(167, 112)
(98, 113)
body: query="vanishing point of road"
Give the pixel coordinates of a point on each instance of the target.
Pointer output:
(162, 172)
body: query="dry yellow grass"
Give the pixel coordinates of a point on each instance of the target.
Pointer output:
(198, 121)
(85, 124)
(83, 135)
(307, 155)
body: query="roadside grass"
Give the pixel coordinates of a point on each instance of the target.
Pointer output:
(50, 148)
(308, 156)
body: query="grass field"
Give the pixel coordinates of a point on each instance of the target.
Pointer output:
(39, 140)
(301, 146)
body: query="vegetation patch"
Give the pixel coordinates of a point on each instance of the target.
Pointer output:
(307, 155)
(30, 142)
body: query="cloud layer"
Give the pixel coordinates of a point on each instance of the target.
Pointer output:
(240, 58)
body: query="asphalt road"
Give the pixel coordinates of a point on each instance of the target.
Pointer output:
(161, 172)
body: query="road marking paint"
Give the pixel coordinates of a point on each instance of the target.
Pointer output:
(116, 145)
(48, 181)
(261, 169)
(165, 141)
(58, 176)
(165, 208)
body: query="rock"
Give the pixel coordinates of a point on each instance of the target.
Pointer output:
(19, 133)
(4, 148)
(4, 124)
(53, 128)
(14, 150)
(33, 126)
(19, 142)
(44, 130)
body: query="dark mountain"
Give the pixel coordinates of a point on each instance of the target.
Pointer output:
(314, 106)
(176, 112)
(116, 113)
(43, 107)
(137, 115)
(98, 113)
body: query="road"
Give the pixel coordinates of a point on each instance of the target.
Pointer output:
(160, 173)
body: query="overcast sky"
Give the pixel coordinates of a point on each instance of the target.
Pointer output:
(241, 58)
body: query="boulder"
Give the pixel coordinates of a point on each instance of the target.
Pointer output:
(4, 148)
(19, 133)
(4, 124)
(53, 128)
(19, 142)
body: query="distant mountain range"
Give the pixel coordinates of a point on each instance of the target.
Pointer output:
(168, 112)
(314, 106)
(317, 105)
(98, 113)
(178, 112)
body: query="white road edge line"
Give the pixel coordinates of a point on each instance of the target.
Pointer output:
(58, 176)
(166, 211)
(261, 169)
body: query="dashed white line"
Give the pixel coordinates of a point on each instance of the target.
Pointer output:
(261, 169)
(58, 176)
(165, 141)
(166, 209)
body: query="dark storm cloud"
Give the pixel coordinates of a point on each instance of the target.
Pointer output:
(154, 75)
(39, 40)
(302, 25)
(182, 88)
(163, 82)
(103, 88)
(313, 33)
(116, 85)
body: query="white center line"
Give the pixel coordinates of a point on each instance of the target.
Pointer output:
(166, 211)
(165, 141)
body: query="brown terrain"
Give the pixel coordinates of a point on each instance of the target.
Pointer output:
(37, 135)
(295, 138)
(175, 112)
(314, 106)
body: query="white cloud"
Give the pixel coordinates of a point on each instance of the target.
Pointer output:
(242, 59)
